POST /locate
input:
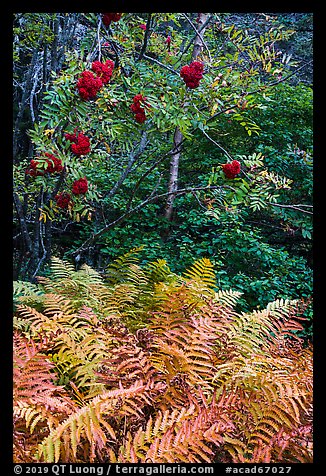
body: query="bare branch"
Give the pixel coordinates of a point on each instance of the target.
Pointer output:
(32, 94)
(198, 33)
(146, 37)
(134, 155)
(43, 256)
(293, 207)
(22, 222)
(154, 60)
(98, 39)
(87, 243)
(199, 202)
(218, 145)
(59, 182)
(193, 39)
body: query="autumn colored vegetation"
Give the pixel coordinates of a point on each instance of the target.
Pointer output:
(162, 237)
(142, 365)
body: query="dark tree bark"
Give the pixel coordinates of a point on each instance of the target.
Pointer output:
(54, 46)
(34, 240)
(26, 239)
(24, 99)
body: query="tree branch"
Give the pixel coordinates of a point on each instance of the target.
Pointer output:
(154, 60)
(151, 168)
(193, 39)
(32, 94)
(87, 243)
(98, 39)
(146, 37)
(59, 183)
(260, 89)
(293, 207)
(198, 33)
(218, 145)
(132, 159)
(22, 221)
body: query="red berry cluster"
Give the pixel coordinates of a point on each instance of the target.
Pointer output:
(63, 199)
(80, 186)
(107, 18)
(136, 108)
(231, 169)
(81, 143)
(53, 165)
(192, 74)
(89, 83)
(103, 70)
(33, 170)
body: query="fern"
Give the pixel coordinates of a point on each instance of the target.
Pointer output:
(158, 271)
(190, 435)
(123, 268)
(23, 288)
(227, 298)
(94, 424)
(140, 365)
(202, 271)
(24, 292)
(78, 343)
(39, 404)
(61, 269)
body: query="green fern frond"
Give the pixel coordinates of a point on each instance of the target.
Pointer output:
(203, 271)
(158, 271)
(24, 288)
(89, 275)
(118, 271)
(61, 269)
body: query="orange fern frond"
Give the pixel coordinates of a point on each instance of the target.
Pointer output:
(96, 424)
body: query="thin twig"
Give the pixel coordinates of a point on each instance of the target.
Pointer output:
(198, 33)
(134, 155)
(98, 39)
(293, 207)
(149, 199)
(32, 94)
(199, 202)
(191, 42)
(218, 145)
(154, 60)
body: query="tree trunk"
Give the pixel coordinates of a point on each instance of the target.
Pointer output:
(54, 46)
(174, 174)
(178, 137)
(24, 242)
(24, 100)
